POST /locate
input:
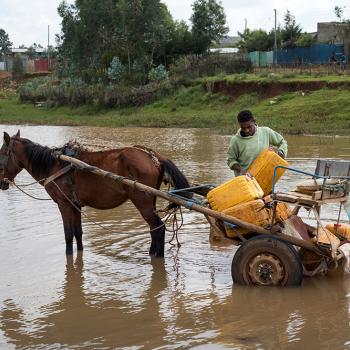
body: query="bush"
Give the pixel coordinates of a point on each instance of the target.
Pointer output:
(75, 92)
(18, 68)
(209, 65)
(116, 70)
(305, 40)
(158, 74)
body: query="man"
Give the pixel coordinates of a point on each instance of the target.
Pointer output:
(249, 141)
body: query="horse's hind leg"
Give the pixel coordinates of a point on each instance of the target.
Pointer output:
(72, 227)
(144, 204)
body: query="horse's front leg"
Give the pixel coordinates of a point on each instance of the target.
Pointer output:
(157, 230)
(72, 227)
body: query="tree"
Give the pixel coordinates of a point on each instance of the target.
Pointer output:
(17, 68)
(87, 31)
(31, 52)
(95, 31)
(343, 26)
(339, 11)
(208, 24)
(305, 39)
(291, 31)
(181, 40)
(255, 40)
(5, 43)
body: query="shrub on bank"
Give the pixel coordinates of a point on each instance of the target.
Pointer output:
(209, 65)
(75, 92)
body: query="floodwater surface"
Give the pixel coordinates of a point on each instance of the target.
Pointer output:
(115, 296)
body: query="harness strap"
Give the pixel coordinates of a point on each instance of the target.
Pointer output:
(58, 174)
(150, 153)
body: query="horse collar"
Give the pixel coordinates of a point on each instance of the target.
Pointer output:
(58, 174)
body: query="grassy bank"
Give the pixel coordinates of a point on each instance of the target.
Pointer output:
(326, 111)
(280, 77)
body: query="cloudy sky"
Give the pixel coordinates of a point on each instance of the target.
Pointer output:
(27, 22)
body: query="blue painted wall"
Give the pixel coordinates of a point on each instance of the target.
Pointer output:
(314, 54)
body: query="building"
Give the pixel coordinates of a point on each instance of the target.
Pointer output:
(40, 63)
(334, 33)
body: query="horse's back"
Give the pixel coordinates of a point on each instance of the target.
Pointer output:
(103, 193)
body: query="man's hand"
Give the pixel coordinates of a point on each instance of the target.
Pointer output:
(277, 151)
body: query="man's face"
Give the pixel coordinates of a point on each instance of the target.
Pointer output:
(248, 128)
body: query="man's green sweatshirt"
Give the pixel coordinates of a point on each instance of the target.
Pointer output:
(244, 149)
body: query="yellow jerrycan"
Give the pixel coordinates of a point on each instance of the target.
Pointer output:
(263, 168)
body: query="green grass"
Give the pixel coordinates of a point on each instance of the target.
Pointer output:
(280, 77)
(326, 111)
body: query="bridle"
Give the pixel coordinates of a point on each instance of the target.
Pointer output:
(5, 157)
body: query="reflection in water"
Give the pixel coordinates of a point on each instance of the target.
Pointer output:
(77, 319)
(248, 318)
(117, 297)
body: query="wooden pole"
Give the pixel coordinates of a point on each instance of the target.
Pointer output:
(187, 203)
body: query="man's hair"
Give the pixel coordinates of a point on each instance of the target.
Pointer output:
(245, 116)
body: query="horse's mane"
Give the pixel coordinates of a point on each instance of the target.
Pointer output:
(42, 158)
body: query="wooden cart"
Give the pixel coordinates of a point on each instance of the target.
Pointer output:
(279, 254)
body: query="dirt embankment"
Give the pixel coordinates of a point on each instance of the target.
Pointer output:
(270, 89)
(5, 75)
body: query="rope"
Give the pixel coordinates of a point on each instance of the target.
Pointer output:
(31, 184)
(343, 186)
(26, 193)
(169, 213)
(96, 223)
(176, 227)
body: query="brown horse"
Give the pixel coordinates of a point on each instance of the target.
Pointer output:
(86, 189)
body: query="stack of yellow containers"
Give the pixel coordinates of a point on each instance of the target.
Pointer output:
(343, 229)
(242, 196)
(240, 189)
(255, 212)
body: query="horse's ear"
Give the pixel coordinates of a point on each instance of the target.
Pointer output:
(7, 138)
(18, 135)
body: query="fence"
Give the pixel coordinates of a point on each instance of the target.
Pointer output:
(30, 66)
(307, 68)
(316, 54)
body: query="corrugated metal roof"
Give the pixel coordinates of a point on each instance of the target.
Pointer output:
(224, 50)
(24, 50)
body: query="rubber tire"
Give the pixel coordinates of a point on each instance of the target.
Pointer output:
(284, 251)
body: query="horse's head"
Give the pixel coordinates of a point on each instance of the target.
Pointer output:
(9, 163)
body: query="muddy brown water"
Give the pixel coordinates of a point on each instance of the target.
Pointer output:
(116, 297)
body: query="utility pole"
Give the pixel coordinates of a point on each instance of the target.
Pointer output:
(48, 47)
(245, 24)
(275, 46)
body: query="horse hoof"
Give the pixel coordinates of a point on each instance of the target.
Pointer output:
(159, 255)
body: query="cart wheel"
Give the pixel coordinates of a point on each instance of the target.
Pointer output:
(266, 261)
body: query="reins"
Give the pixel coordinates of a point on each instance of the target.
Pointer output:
(175, 225)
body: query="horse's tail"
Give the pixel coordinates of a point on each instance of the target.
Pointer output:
(170, 173)
(173, 174)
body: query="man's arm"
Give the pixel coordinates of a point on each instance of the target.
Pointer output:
(232, 156)
(278, 141)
